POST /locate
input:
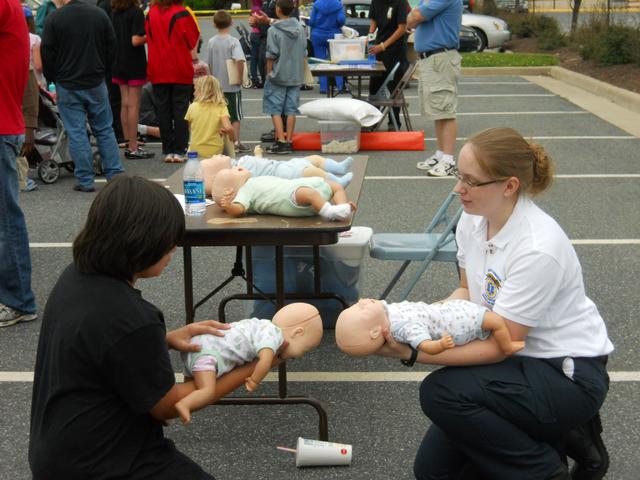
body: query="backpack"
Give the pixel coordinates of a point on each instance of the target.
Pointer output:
(41, 15)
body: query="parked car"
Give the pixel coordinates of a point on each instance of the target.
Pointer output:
(357, 13)
(492, 31)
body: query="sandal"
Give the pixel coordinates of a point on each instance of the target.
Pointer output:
(168, 158)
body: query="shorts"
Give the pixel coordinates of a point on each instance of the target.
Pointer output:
(293, 168)
(280, 100)
(234, 105)
(136, 82)
(438, 84)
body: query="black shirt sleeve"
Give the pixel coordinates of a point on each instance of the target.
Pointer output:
(140, 369)
(402, 12)
(137, 22)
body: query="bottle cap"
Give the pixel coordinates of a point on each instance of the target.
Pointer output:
(191, 155)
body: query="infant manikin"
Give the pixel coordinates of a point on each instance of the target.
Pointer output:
(298, 324)
(237, 192)
(310, 166)
(431, 328)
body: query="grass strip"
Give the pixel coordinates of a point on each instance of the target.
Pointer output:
(487, 59)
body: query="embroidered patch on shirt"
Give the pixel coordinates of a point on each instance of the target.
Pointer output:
(492, 284)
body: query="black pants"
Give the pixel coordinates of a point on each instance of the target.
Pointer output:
(172, 101)
(506, 420)
(389, 58)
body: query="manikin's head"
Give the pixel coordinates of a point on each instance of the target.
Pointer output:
(301, 326)
(211, 167)
(359, 327)
(227, 183)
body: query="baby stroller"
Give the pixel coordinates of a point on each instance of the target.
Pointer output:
(51, 142)
(245, 43)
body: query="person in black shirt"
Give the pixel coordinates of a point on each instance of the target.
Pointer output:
(130, 69)
(104, 384)
(389, 17)
(78, 46)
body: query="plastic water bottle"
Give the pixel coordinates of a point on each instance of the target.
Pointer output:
(194, 203)
(52, 90)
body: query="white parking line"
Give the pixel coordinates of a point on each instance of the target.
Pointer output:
(331, 377)
(467, 114)
(575, 176)
(579, 241)
(415, 97)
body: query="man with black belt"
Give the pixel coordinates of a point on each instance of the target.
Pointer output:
(437, 24)
(389, 18)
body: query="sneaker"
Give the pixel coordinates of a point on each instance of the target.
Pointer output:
(257, 85)
(305, 87)
(427, 164)
(10, 316)
(585, 446)
(82, 188)
(268, 137)
(138, 154)
(280, 148)
(242, 148)
(30, 186)
(441, 169)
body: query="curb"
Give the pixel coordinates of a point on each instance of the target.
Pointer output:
(624, 98)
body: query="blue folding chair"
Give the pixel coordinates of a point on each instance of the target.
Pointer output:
(427, 247)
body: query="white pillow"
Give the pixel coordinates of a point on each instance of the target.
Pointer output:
(346, 109)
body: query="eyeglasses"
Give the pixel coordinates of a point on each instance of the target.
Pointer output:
(472, 184)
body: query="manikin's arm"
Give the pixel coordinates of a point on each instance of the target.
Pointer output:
(433, 347)
(165, 409)
(234, 209)
(265, 359)
(477, 352)
(204, 395)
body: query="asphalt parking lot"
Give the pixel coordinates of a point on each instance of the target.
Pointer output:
(372, 403)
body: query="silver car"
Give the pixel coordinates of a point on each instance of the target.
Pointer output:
(493, 31)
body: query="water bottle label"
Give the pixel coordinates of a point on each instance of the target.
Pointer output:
(194, 191)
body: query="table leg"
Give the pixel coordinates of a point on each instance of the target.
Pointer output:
(188, 284)
(282, 368)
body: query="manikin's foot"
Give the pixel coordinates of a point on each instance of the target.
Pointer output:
(183, 411)
(336, 212)
(339, 168)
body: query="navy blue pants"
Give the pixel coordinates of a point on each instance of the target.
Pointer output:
(507, 420)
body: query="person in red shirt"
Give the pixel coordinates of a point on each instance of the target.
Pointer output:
(172, 37)
(17, 303)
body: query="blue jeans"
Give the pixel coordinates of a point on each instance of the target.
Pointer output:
(15, 262)
(321, 50)
(78, 106)
(256, 62)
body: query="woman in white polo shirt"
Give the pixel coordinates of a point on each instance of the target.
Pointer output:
(516, 417)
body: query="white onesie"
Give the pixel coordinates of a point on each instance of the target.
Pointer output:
(415, 322)
(240, 344)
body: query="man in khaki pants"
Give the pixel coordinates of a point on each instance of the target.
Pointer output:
(437, 24)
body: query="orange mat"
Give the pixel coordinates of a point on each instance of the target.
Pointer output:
(368, 141)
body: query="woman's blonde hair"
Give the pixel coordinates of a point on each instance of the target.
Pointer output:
(503, 153)
(208, 90)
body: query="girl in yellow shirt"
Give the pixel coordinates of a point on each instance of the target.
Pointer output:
(208, 118)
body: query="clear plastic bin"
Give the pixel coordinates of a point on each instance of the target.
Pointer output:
(348, 49)
(339, 136)
(340, 272)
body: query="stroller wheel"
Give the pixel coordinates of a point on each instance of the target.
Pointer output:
(97, 163)
(48, 171)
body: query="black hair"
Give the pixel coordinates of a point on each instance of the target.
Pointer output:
(132, 223)
(286, 6)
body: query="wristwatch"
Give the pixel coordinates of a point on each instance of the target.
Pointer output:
(412, 358)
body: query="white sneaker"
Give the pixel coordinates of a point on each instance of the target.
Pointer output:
(427, 164)
(441, 169)
(10, 316)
